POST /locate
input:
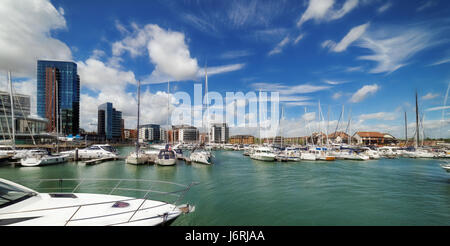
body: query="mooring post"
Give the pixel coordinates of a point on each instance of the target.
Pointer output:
(76, 154)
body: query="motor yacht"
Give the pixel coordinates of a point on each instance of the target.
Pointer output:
(201, 156)
(22, 206)
(263, 154)
(289, 154)
(446, 167)
(44, 160)
(322, 154)
(94, 151)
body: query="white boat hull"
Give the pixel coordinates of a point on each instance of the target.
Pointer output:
(43, 161)
(166, 162)
(136, 160)
(262, 157)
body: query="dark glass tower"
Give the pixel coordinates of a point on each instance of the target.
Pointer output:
(109, 122)
(58, 89)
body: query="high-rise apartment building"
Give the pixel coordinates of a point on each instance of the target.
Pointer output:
(58, 93)
(109, 123)
(220, 133)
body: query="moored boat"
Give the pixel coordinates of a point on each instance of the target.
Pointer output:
(43, 160)
(27, 207)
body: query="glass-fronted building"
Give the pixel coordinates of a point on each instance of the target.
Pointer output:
(26, 126)
(109, 123)
(58, 90)
(150, 133)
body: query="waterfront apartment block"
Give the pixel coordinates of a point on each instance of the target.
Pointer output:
(374, 138)
(25, 125)
(242, 139)
(185, 134)
(149, 133)
(58, 93)
(109, 122)
(130, 134)
(220, 133)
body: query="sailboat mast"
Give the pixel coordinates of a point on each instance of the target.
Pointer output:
(137, 125)
(406, 130)
(328, 123)
(207, 105)
(281, 130)
(13, 125)
(168, 91)
(57, 115)
(417, 122)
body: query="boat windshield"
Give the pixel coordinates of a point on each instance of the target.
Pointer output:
(166, 155)
(109, 148)
(10, 194)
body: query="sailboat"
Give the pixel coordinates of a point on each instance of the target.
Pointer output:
(167, 156)
(42, 158)
(137, 157)
(202, 155)
(419, 152)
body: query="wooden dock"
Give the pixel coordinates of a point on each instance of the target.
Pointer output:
(186, 159)
(100, 160)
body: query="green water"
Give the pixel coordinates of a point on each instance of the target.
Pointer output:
(236, 190)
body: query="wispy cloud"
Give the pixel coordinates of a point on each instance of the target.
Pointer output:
(279, 47)
(362, 93)
(354, 69)
(200, 23)
(235, 54)
(430, 96)
(298, 38)
(337, 95)
(378, 116)
(437, 108)
(443, 61)
(322, 10)
(353, 35)
(426, 4)
(333, 82)
(384, 7)
(289, 90)
(393, 47)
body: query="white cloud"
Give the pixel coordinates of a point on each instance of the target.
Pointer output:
(427, 4)
(337, 95)
(384, 7)
(430, 96)
(235, 54)
(298, 38)
(289, 90)
(322, 10)
(393, 47)
(443, 61)
(25, 35)
(354, 34)
(362, 93)
(331, 82)
(221, 69)
(437, 108)
(279, 47)
(97, 76)
(378, 116)
(168, 52)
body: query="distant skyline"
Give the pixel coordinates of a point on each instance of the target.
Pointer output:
(368, 55)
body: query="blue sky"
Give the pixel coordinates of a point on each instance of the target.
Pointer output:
(368, 55)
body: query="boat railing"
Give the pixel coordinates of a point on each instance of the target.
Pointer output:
(177, 194)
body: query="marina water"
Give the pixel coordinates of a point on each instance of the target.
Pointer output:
(236, 190)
